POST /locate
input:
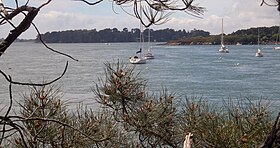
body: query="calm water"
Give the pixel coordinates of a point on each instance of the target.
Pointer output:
(185, 70)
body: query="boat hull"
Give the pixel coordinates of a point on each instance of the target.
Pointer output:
(149, 55)
(277, 48)
(137, 60)
(259, 53)
(223, 49)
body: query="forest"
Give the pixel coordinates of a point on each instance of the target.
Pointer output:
(114, 35)
(268, 35)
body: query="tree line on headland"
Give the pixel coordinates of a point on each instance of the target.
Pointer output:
(268, 35)
(114, 35)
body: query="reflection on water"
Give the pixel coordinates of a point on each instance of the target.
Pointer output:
(184, 70)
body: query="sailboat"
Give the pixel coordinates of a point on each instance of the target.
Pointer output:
(223, 48)
(277, 47)
(148, 54)
(259, 53)
(139, 58)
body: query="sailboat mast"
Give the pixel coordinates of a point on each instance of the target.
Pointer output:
(278, 36)
(258, 38)
(141, 28)
(222, 36)
(149, 39)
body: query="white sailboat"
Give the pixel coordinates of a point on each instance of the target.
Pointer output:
(139, 58)
(259, 53)
(223, 48)
(149, 54)
(277, 47)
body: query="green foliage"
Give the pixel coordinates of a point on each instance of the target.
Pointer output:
(268, 35)
(241, 125)
(114, 35)
(124, 93)
(42, 103)
(47, 123)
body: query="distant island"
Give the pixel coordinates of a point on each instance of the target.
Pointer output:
(268, 35)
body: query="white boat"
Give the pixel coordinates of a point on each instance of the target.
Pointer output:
(238, 44)
(223, 48)
(259, 53)
(277, 47)
(149, 54)
(139, 58)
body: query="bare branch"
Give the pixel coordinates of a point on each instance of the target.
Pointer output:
(23, 26)
(44, 4)
(264, 2)
(19, 118)
(40, 37)
(32, 84)
(2, 9)
(272, 137)
(90, 3)
(276, 4)
(157, 11)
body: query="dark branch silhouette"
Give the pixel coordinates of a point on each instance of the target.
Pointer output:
(90, 3)
(156, 11)
(275, 3)
(40, 38)
(22, 27)
(274, 135)
(8, 78)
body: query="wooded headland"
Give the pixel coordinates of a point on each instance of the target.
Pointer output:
(268, 35)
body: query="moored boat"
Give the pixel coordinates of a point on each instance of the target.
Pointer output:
(223, 48)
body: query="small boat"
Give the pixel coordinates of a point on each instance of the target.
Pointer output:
(259, 53)
(238, 44)
(223, 48)
(149, 54)
(277, 47)
(137, 60)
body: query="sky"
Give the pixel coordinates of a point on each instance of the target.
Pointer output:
(62, 15)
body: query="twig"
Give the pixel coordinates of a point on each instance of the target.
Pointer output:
(270, 139)
(40, 37)
(90, 3)
(35, 84)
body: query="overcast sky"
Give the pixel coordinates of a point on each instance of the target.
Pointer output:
(68, 14)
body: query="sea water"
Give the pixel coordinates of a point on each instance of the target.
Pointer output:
(186, 71)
